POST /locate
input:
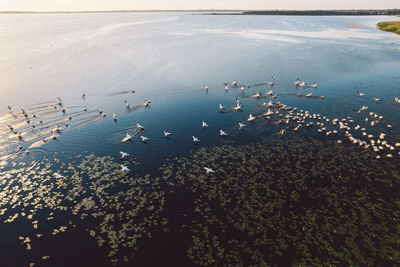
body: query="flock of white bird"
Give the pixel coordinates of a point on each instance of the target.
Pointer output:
(279, 113)
(294, 119)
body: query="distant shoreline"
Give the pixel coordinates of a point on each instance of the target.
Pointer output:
(121, 11)
(352, 12)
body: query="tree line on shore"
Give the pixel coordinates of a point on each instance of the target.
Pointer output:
(353, 12)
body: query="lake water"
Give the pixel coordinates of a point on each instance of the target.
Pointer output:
(169, 58)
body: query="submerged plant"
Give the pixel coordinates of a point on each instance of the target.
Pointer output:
(292, 201)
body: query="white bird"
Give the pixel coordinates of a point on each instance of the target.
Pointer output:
(221, 107)
(270, 92)
(208, 170)
(115, 117)
(272, 81)
(308, 94)
(282, 131)
(362, 109)
(237, 100)
(195, 139)
(251, 117)
(303, 83)
(241, 125)
(242, 88)
(226, 88)
(127, 137)
(206, 88)
(268, 113)
(127, 104)
(204, 124)
(376, 99)
(237, 107)
(124, 168)
(257, 95)
(314, 85)
(58, 176)
(222, 133)
(297, 82)
(360, 94)
(123, 154)
(166, 134)
(144, 139)
(140, 127)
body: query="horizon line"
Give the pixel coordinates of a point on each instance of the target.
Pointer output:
(178, 10)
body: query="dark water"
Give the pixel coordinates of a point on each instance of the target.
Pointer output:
(167, 58)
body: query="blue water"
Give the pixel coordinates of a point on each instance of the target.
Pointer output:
(170, 57)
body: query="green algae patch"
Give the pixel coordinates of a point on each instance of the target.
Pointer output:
(293, 203)
(116, 210)
(390, 26)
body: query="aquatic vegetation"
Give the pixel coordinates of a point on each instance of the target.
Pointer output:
(291, 199)
(296, 202)
(288, 200)
(118, 210)
(390, 26)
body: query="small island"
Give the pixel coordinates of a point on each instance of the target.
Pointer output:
(390, 26)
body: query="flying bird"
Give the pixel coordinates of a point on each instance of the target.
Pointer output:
(123, 154)
(222, 133)
(251, 117)
(166, 134)
(124, 168)
(204, 125)
(208, 170)
(127, 137)
(144, 139)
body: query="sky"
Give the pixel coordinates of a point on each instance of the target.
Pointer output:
(93, 5)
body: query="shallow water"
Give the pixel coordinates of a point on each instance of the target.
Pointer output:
(168, 58)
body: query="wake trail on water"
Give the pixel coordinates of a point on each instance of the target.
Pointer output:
(121, 93)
